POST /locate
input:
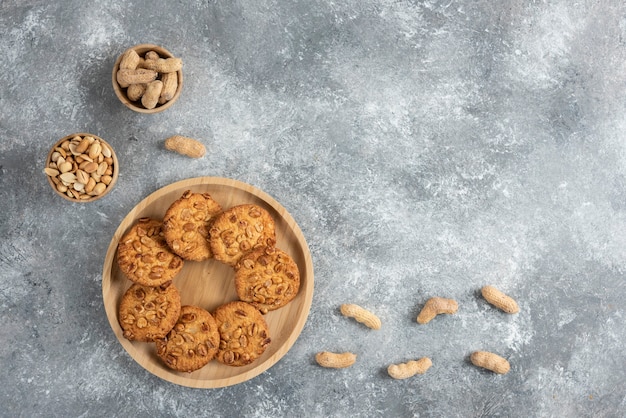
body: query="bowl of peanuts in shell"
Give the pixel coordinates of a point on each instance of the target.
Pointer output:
(147, 78)
(82, 167)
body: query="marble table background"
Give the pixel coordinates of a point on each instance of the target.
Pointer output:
(424, 148)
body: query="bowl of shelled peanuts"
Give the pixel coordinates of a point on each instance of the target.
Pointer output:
(82, 167)
(147, 78)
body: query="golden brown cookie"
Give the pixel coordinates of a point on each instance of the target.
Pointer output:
(193, 341)
(267, 277)
(147, 313)
(239, 230)
(144, 256)
(244, 334)
(186, 225)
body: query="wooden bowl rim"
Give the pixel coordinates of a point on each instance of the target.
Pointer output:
(121, 94)
(116, 169)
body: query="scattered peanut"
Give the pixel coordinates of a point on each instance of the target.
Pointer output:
(335, 360)
(435, 306)
(78, 167)
(500, 300)
(361, 315)
(490, 361)
(185, 146)
(136, 72)
(409, 369)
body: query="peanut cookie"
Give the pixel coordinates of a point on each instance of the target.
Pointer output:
(147, 313)
(244, 334)
(144, 256)
(186, 225)
(239, 230)
(268, 278)
(193, 341)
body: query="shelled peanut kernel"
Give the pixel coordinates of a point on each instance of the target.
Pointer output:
(82, 167)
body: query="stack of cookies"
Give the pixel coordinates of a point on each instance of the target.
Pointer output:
(196, 228)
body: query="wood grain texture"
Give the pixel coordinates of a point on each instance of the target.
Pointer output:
(209, 284)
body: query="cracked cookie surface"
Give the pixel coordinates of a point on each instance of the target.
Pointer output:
(186, 225)
(147, 313)
(239, 230)
(244, 334)
(192, 343)
(144, 256)
(267, 277)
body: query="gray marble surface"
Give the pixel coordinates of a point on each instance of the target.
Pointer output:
(424, 148)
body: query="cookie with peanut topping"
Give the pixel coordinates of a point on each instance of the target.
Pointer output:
(192, 343)
(244, 334)
(186, 225)
(148, 313)
(144, 256)
(268, 278)
(241, 229)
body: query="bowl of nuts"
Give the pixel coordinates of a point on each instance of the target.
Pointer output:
(147, 78)
(82, 167)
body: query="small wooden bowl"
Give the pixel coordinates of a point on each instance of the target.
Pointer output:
(86, 197)
(121, 92)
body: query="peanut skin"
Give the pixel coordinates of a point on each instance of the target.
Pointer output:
(150, 97)
(435, 306)
(129, 60)
(409, 369)
(500, 300)
(490, 361)
(185, 146)
(170, 84)
(361, 315)
(163, 65)
(126, 77)
(135, 91)
(335, 360)
(152, 55)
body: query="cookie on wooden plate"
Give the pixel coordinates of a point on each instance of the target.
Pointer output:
(244, 334)
(241, 229)
(186, 225)
(192, 343)
(144, 256)
(147, 313)
(268, 278)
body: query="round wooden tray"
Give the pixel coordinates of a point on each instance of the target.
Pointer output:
(210, 283)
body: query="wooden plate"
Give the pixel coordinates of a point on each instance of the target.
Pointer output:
(210, 283)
